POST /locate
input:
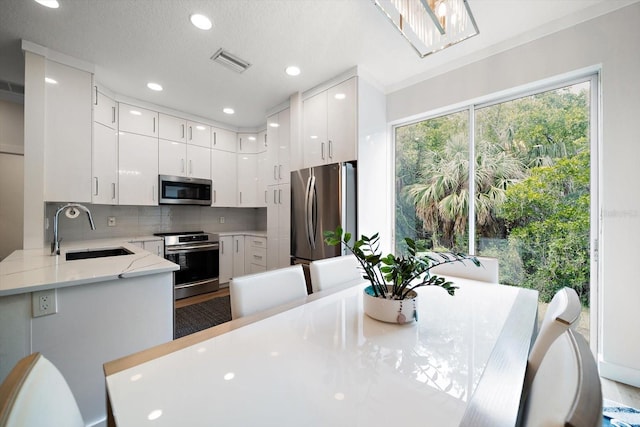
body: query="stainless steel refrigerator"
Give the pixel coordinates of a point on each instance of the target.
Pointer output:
(322, 198)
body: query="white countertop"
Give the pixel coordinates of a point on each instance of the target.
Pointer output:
(35, 269)
(325, 363)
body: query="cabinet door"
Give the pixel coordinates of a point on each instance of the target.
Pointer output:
(223, 177)
(314, 130)
(199, 134)
(137, 120)
(278, 226)
(226, 259)
(198, 162)
(104, 109)
(272, 227)
(341, 122)
(67, 133)
(247, 179)
(138, 169)
(104, 165)
(172, 158)
(283, 145)
(222, 139)
(273, 151)
(247, 143)
(172, 128)
(238, 256)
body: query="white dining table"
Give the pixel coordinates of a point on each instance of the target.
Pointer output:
(322, 362)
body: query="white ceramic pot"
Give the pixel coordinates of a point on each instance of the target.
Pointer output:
(390, 310)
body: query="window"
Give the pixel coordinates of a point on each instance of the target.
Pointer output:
(528, 197)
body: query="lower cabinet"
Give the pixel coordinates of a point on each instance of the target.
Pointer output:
(226, 259)
(255, 254)
(241, 254)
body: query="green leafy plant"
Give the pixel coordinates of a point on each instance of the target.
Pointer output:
(401, 274)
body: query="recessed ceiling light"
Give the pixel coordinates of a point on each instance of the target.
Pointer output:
(154, 86)
(50, 81)
(228, 110)
(292, 70)
(53, 4)
(201, 21)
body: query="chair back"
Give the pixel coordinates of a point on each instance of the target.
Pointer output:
(36, 394)
(260, 291)
(326, 273)
(566, 390)
(487, 272)
(562, 313)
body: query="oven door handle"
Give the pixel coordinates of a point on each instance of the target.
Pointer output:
(192, 248)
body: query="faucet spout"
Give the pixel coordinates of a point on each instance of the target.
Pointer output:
(55, 245)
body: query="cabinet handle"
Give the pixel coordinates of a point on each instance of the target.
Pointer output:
(113, 191)
(275, 177)
(215, 138)
(258, 256)
(280, 196)
(240, 144)
(222, 247)
(330, 149)
(96, 90)
(214, 196)
(182, 165)
(113, 114)
(265, 139)
(265, 197)
(280, 172)
(274, 197)
(322, 150)
(182, 131)
(241, 197)
(154, 125)
(237, 243)
(96, 178)
(190, 133)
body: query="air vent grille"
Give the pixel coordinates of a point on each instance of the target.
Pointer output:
(230, 61)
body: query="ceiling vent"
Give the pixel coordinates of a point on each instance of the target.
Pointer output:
(228, 60)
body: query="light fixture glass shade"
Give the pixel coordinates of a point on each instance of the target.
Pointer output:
(430, 25)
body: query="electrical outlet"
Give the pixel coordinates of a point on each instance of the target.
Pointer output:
(44, 302)
(111, 221)
(221, 220)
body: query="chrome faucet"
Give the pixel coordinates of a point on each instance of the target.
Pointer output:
(55, 245)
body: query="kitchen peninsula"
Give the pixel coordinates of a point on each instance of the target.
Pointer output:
(104, 308)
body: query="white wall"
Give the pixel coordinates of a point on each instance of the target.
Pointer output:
(609, 42)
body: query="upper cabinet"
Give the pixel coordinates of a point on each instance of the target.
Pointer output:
(248, 143)
(104, 155)
(329, 125)
(199, 134)
(172, 128)
(277, 169)
(138, 169)
(67, 133)
(137, 120)
(105, 109)
(222, 139)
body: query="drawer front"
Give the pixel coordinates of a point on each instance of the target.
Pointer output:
(258, 256)
(255, 268)
(257, 242)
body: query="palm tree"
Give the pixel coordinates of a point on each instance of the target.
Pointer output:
(442, 197)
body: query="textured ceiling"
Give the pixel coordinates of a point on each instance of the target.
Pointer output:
(131, 42)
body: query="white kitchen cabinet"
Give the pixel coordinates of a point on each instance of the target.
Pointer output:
(172, 128)
(248, 143)
(278, 226)
(238, 256)
(67, 133)
(277, 169)
(226, 259)
(223, 177)
(176, 158)
(104, 165)
(138, 169)
(222, 139)
(247, 180)
(105, 109)
(255, 254)
(137, 120)
(329, 125)
(199, 134)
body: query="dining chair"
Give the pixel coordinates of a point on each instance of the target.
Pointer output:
(260, 291)
(36, 394)
(329, 272)
(566, 390)
(562, 313)
(487, 272)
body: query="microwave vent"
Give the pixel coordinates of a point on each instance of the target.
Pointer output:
(230, 61)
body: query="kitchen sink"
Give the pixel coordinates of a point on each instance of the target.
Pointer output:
(97, 253)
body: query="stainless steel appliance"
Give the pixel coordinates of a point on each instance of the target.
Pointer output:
(197, 254)
(180, 190)
(322, 198)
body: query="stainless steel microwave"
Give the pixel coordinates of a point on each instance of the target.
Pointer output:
(180, 190)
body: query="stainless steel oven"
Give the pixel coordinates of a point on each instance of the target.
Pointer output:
(197, 254)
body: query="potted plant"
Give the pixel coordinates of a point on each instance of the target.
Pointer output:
(393, 278)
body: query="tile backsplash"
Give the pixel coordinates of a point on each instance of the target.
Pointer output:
(134, 221)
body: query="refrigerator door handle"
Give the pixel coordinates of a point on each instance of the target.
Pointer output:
(309, 207)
